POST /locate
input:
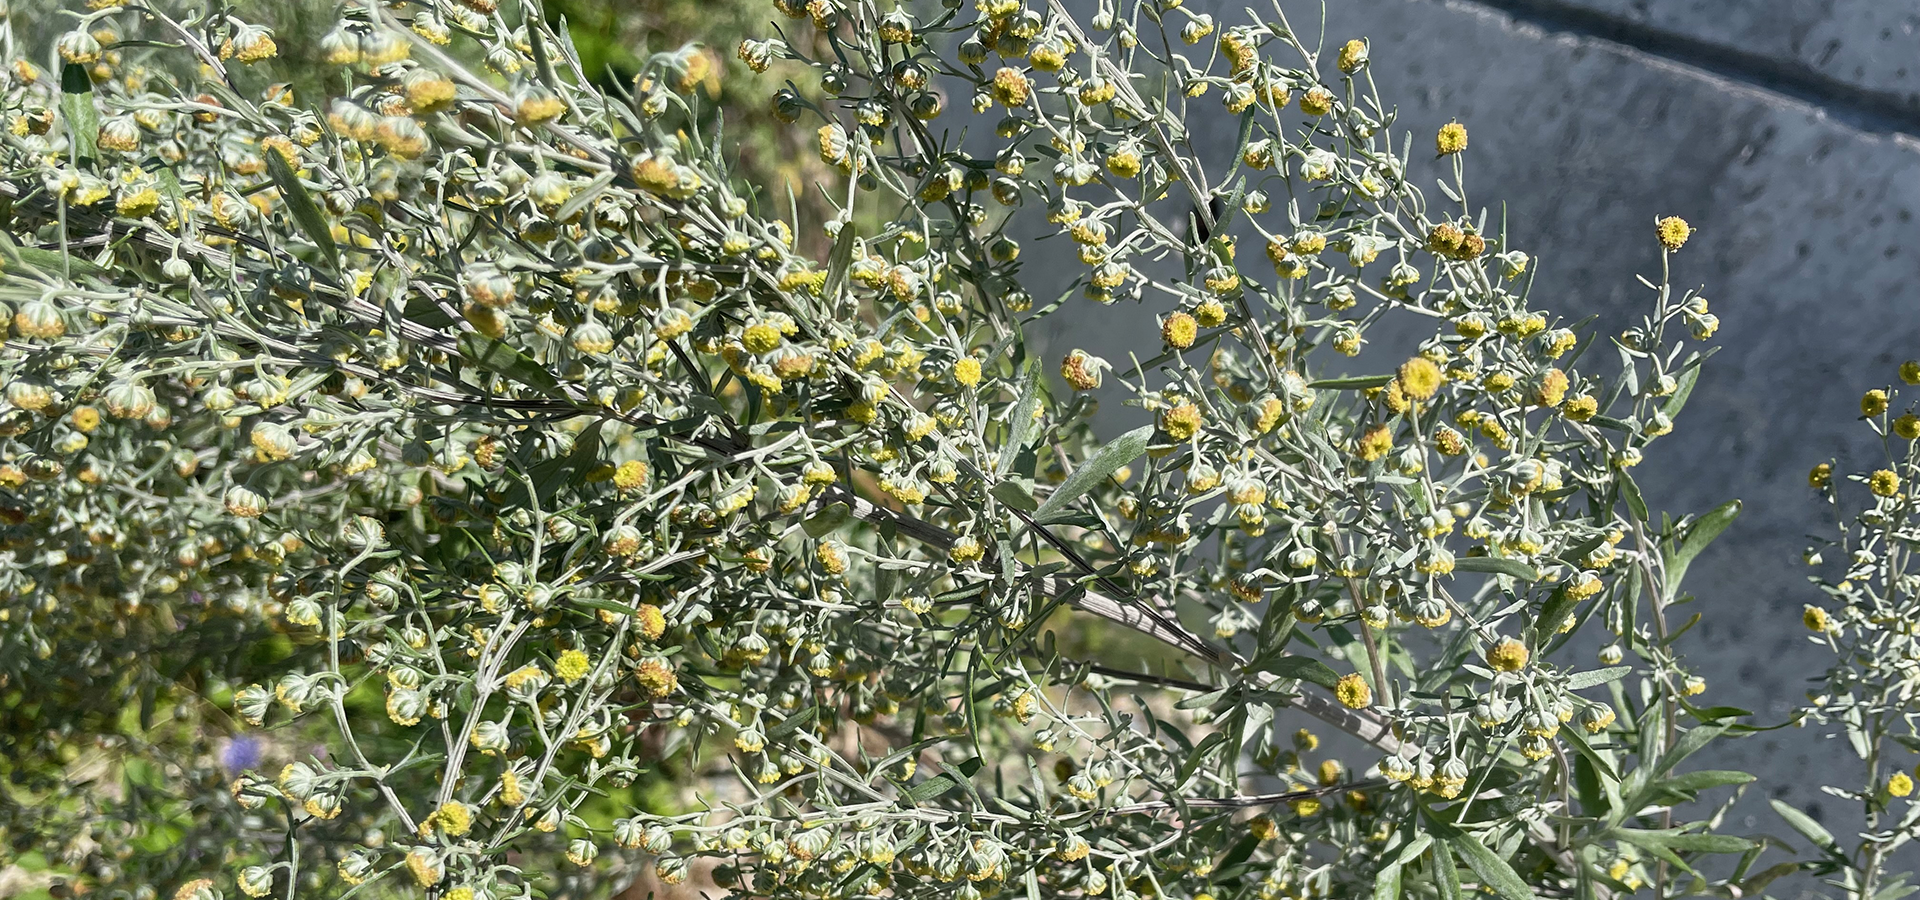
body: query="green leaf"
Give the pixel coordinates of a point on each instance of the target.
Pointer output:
(1497, 566)
(1446, 878)
(1580, 745)
(933, 787)
(1899, 888)
(1118, 452)
(822, 523)
(1630, 492)
(579, 201)
(1199, 753)
(1805, 824)
(1652, 843)
(1491, 869)
(839, 262)
(1023, 422)
(1240, 148)
(1351, 384)
(1708, 843)
(1554, 613)
(1586, 781)
(792, 723)
(1702, 533)
(1236, 856)
(1705, 778)
(1582, 680)
(502, 358)
(305, 212)
(49, 261)
(76, 104)
(1386, 883)
(1683, 388)
(1303, 668)
(1685, 747)
(1754, 885)
(1016, 495)
(608, 605)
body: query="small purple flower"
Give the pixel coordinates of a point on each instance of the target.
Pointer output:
(241, 752)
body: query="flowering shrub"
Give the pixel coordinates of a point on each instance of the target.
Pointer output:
(544, 465)
(1867, 618)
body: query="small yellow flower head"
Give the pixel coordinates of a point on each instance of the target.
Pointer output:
(1306, 807)
(1873, 403)
(1883, 483)
(655, 677)
(966, 372)
(1375, 443)
(1179, 330)
(1352, 691)
(1124, 162)
(1353, 55)
(1181, 422)
(454, 818)
(1507, 656)
(1674, 232)
(571, 666)
(1551, 389)
(1821, 475)
(1010, 86)
(1419, 378)
(535, 105)
(1082, 370)
(1900, 784)
(965, 549)
(1581, 408)
(1305, 741)
(1211, 313)
(1451, 139)
(1317, 102)
(630, 475)
(425, 866)
(832, 556)
(1262, 828)
(1910, 371)
(760, 337)
(1907, 426)
(649, 622)
(1694, 686)
(1815, 618)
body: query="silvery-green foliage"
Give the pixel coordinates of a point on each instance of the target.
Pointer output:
(566, 466)
(1872, 600)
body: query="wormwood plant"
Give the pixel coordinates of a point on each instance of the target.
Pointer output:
(1867, 620)
(562, 470)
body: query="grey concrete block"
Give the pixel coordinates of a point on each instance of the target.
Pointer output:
(1871, 45)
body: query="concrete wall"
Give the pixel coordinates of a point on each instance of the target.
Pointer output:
(1783, 130)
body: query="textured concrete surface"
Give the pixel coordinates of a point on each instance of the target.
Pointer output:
(1806, 247)
(1871, 45)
